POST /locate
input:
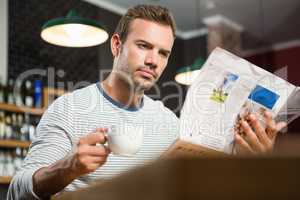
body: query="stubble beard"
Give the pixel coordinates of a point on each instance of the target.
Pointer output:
(141, 84)
(136, 84)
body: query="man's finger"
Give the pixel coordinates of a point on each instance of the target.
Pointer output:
(251, 137)
(96, 159)
(241, 145)
(270, 125)
(94, 138)
(102, 130)
(259, 130)
(99, 151)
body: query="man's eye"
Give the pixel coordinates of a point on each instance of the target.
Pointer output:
(164, 54)
(143, 46)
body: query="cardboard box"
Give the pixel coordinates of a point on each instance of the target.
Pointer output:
(209, 178)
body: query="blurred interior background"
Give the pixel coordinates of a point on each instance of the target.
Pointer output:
(265, 32)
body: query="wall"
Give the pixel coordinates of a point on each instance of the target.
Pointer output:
(3, 39)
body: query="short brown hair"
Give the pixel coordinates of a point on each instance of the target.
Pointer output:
(153, 13)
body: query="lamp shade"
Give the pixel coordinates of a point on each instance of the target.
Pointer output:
(186, 75)
(73, 31)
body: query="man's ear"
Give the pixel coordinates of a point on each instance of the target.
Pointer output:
(115, 45)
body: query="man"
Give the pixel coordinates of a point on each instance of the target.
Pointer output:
(66, 154)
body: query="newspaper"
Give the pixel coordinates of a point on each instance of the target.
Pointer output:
(227, 89)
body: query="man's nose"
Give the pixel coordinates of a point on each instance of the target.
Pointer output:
(151, 59)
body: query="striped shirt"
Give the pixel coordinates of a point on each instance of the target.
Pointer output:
(76, 114)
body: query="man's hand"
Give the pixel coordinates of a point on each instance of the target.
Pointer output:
(255, 138)
(86, 157)
(90, 152)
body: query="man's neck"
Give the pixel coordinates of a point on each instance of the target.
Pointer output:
(121, 91)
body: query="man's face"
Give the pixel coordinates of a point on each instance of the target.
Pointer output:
(144, 55)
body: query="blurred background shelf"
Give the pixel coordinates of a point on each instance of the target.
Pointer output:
(5, 180)
(14, 143)
(21, 109)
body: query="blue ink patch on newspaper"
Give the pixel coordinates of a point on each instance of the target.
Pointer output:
(264, 97)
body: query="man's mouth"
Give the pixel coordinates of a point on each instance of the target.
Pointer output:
(147, 73)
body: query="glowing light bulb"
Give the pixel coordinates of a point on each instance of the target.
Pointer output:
(74, 31)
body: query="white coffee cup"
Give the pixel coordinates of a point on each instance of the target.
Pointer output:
(125, 139)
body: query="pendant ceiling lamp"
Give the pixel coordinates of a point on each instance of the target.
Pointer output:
(186, 75)
(74, 31)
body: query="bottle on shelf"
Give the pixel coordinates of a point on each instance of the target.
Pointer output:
(18, 93)
(11, 160)
(10, 92)
(25, 129)
(2, 125)
(17, 126)
(9, 168)
(14, 127)
(20, 123)
(38, 93)
(24, 153)
(2, 162)
(8, 128)
(18, 158)
(2, 91)
(28, 94)
(32, 130)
